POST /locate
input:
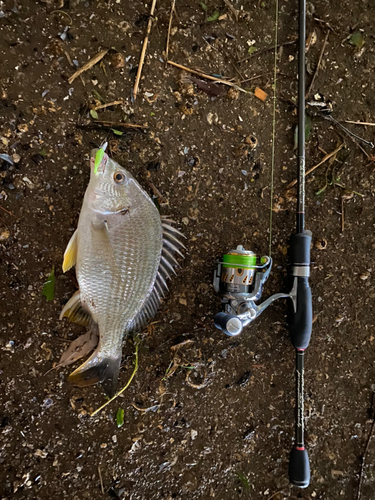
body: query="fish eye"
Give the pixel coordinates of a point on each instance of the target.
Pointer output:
(119, 178)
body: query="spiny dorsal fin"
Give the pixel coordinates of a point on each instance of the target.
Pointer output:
(168, 262)
(74, 311)
(70, 255)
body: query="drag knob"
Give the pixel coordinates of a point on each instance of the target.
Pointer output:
(230, 324)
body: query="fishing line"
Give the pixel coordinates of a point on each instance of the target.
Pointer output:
(274, 119)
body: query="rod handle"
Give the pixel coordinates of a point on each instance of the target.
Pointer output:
(300, 319)
(299, 467)
(300, 307)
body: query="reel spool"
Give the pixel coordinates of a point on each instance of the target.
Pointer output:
(239, 279)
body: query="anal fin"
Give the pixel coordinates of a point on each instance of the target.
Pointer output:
(75, 312)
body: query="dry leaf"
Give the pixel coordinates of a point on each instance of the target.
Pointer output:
(260, 94)
(79, 348)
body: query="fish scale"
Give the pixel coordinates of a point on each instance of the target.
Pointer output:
(118, 249)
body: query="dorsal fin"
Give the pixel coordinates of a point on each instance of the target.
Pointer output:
(168, 262)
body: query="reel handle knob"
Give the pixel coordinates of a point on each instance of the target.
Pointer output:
(230, 324)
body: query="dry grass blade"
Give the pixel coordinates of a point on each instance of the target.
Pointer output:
(369, 124)
(137, 342)
(318, 65)
(88, 65)
(79, 348)
(169, 30)
(7, 211)
(208, 77)
(327, 157)
(120, 124)
(102, 106)
(143, 53)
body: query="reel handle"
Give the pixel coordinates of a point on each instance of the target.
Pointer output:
(230, 324)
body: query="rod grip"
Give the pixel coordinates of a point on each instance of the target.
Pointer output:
(299, 467)
(300, 307)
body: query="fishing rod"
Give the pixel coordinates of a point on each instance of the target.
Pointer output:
(240, 276)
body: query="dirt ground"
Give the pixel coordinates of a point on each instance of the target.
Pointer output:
(231, 437)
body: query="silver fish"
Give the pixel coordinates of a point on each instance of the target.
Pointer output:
(123, 252)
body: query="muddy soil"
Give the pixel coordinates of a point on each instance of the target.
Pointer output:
(217, 423)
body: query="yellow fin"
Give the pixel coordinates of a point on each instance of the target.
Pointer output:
(74, 311)
(70, 255)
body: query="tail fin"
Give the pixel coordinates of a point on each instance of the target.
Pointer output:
(98, 368)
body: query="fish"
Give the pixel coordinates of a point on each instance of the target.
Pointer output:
(123, 251)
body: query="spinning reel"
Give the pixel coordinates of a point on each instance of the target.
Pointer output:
(239, 279)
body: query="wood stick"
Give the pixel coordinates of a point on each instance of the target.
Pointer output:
(327, 157)
(317, 68)
(361, 123)
(102, 106)
(143, 53)
(169, 31)
(88, 65)
(208, 77)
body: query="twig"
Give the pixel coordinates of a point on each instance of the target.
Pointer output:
(62, 12)
(268, 49)
(208, 77)
(232, 9)
(120, 124)
(273, 495)
(317, 67)
(101, 480)
(5, 210)
(102, 106)
(364, 458)
(157, 193)
(253, 78)
(137, 342)
(143, 53)
(327, 157)
(361, 123)
(169, 31)
(88, 65)
(342, 215)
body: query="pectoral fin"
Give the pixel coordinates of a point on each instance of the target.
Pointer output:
(70, 255)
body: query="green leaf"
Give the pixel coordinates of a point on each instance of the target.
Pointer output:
(152, 113)
(43, 152)
(98, 96)
(214, 17)
(308, 127)
(120, 417)
(117, 132)
(49, 286)
(94, 114)
(241, 476)
(356, 39)
(252, 49)
(98, 159)
(204, 6)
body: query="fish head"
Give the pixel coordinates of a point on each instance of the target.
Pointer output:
(109, 189)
